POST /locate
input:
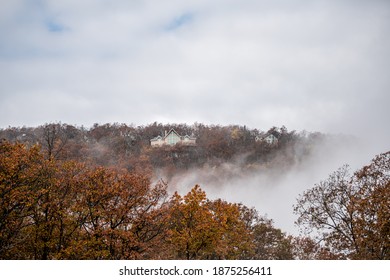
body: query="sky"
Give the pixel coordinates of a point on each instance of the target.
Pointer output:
(308, 65)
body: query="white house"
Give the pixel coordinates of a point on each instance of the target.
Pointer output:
(270, 139)
(172, 138)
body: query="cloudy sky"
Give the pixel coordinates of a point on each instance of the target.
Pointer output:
(313, 65)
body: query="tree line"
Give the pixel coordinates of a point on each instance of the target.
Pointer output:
(128, 146)
(65, 194)
(52, 209)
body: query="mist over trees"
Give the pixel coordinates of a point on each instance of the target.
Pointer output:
(69, 192)
(350, 215)
(128, 146)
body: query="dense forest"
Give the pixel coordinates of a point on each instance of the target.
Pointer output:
(69, 192)
(128, 146)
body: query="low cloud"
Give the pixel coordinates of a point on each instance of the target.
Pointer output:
(318, 66)
(270, 189)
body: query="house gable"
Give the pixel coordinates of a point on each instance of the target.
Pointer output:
(172, 138)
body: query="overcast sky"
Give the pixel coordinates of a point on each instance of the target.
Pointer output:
(313, 65)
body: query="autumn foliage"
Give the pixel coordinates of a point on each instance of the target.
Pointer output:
(350, 215)
(69, 193)
(128, 146)
(54, 209)
(204, 229)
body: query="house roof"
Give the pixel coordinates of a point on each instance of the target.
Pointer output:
(189, 137)
(267, 136)
(170, 132)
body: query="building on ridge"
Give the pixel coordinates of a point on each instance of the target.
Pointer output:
(270, 139)
(172, 138)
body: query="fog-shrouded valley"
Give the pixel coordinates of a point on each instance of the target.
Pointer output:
(266, 175)
(197, 130)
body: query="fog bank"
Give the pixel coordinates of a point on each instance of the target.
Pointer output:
(270, 190)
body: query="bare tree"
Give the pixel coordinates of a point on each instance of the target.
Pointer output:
(350, 215)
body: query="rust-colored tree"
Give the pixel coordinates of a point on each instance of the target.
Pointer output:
(372, 204)
(52, 225)
(234, 238)
(20, 170)
(270, 242)
(350, 215)
(53, 209)
(306, 248)
(204, 229)
(121, 215)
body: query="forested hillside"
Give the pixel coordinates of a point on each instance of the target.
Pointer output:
(128, 146)
(69, 192)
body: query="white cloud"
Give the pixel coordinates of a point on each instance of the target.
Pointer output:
(313, 65)
(309, 65)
